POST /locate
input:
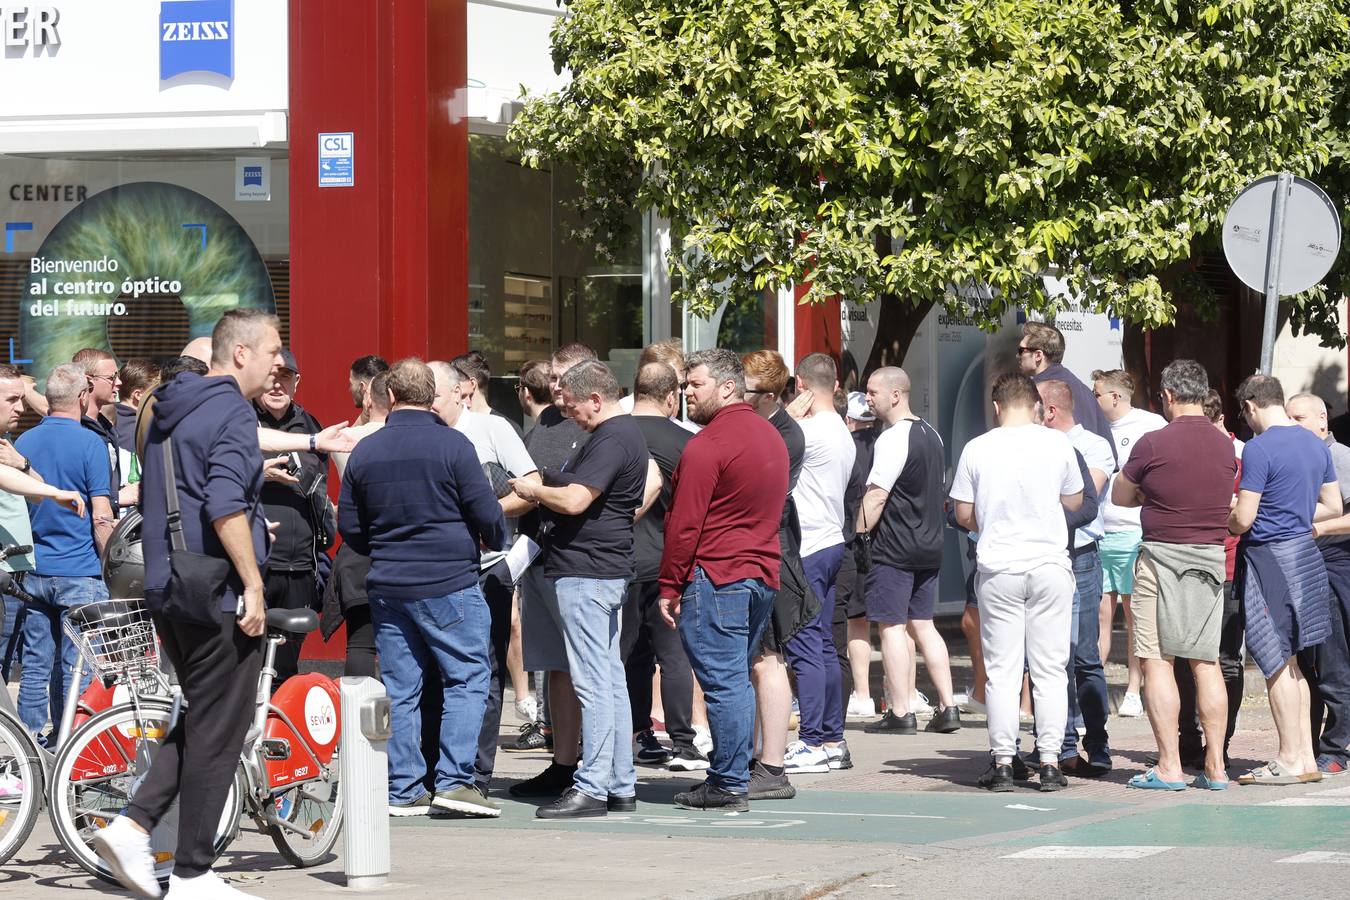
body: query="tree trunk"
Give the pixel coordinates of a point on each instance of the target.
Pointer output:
(897, 322)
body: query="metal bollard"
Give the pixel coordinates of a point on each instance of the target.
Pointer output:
(365, 779)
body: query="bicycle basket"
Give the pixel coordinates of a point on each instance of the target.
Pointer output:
(114, 637)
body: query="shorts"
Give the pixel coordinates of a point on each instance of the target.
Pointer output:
(1118, 551)
(895, 595)
(541, 635)
(848, 593)
(1144, 606)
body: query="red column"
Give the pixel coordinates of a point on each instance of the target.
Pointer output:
(816, 326)
(380, 267)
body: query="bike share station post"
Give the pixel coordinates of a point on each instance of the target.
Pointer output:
(365, 778)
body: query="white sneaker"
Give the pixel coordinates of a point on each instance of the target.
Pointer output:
(1131, 706)
(971, 705)
(801, 759)
(703, 740)
(11, 786)
(207, 886)
(527, 708)
(860, 707)
(919, 705)
(126, 850)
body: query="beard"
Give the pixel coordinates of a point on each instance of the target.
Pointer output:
(701, 412)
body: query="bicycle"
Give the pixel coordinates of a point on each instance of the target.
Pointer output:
(288, 775)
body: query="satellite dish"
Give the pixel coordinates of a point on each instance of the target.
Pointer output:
(1310, 241)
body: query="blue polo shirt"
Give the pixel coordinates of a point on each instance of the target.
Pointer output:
(1287, 465)
(70, 457)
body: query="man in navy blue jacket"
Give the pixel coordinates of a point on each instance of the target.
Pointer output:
(415, 500)
(218, 467)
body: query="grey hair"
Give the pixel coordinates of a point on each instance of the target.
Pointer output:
(722, 365)
(590, 377)
(1186, 380)
(64, 384)
(451, 371)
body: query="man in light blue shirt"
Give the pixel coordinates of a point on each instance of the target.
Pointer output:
(1088, 701)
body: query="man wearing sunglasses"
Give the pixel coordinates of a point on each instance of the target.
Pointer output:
(100, 369)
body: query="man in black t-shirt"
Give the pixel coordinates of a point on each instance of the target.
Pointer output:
(587, 533)
(903, 510)
(646, 639)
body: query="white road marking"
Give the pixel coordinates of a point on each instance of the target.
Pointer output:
(1032, 808)
(1335, 797)
(802, 812)
(1061, 852)
(1324, 857)
(726, 821)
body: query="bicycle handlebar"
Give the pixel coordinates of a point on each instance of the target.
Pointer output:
(15, 550)
(9, 586)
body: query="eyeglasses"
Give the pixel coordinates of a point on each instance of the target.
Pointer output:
(1021, 350)
(758, 391)
(108, 378)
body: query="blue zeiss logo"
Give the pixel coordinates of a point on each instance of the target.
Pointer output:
(196, 36)
(252, 175)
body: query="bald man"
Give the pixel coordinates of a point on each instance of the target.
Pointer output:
(1327, 666)
(902, 510)
(198, 348)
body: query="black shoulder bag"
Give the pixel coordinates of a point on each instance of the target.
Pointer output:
(197, 582)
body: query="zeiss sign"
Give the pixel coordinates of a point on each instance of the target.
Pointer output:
(196, 36)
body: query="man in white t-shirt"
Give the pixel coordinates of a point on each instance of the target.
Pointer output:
(1088, 698)
(1012, 486)
(496, 443)
(819, 497)
(1114, 390)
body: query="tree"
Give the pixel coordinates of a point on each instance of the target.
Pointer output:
(901, 149)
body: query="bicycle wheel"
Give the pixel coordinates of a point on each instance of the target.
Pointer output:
(20, 784)
(309, 817)
(98, 770)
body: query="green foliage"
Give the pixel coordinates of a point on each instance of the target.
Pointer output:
(903, 148)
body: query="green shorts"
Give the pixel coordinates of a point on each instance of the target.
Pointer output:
(1118, 551)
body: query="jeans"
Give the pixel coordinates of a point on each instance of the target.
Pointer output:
(590, 622)
(722, 628)
(497, 590)
(1192, 743)
(447, 635)
(11, 636)
(645, 639)
(42, 689)
(1087, 678)
(812, 655)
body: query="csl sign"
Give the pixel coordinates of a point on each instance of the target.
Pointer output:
(196, 36)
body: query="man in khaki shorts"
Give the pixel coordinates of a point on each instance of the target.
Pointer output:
(1182, 476)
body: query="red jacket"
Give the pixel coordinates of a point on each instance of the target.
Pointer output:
(728, 494)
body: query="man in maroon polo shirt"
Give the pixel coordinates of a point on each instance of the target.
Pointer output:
(719, 569)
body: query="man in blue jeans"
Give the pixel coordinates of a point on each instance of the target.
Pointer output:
(589, 509)
(719, 566)
(415, 500)
(68, 572)
(1087, 678)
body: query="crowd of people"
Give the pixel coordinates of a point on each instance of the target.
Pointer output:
(699, 558)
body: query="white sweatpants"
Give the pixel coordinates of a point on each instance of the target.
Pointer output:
(1026, 618)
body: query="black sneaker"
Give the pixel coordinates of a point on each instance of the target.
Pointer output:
(1019, 769)
(1079, 767)
(707, 796)
(945, 721)
(649, 750)
(998, 779)
(532, 739)
(621, 804)
(764, 785)
(1052, 779)
(688, 759)
(549, 783)
(573, 805)
(890, 723)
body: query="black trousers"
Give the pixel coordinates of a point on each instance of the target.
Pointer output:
(218, 671)
(645, 640)
(290, 590)
(361, 656)
(1192, 741)
(1327, 665)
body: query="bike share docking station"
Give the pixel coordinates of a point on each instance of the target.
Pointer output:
(365, 778)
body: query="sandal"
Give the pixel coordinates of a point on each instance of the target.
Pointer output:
(1205, 783)
(1275, 774)
(1150, 781)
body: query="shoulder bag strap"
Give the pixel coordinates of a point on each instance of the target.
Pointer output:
(171, 498)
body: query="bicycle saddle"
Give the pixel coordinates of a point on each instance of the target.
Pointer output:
(299, 621)
(109, 614)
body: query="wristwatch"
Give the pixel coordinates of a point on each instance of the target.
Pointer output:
(27, 466)
(313, 443)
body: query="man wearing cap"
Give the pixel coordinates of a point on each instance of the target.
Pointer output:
(306, 526)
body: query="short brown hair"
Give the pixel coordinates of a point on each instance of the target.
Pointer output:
(138, 374)
(1056, 394)
(379, 391)
(1045, 338)
(239, 326)
(655, 382)
(1213, 406)
(90, 357)
(7, 371)
(1263, 390)
(534, 377)
(1015, 390)
(571, 354)
(818, 371)
(670, 352)
(475, 365)
(1118, 380)
(412, 383)
(767, 368)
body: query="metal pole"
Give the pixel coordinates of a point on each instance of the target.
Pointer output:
(1282, 188)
